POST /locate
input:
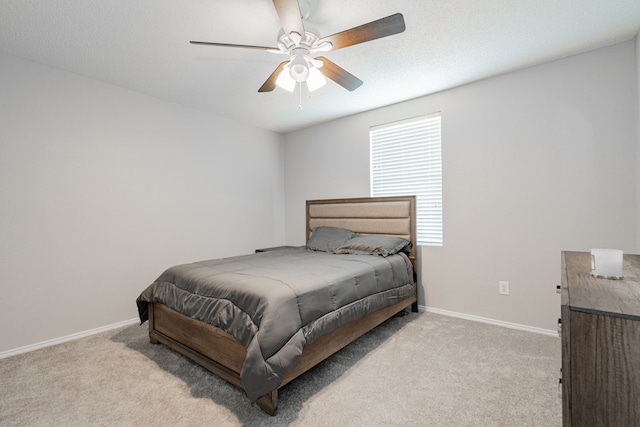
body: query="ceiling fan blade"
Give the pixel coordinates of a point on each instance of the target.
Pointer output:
(339, 75)
(384, 27)
(290, 16)
(270, 84)
(244, 46)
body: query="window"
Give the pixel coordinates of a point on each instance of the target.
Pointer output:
(406, 159)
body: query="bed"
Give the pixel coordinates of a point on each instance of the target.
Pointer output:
(320, 297)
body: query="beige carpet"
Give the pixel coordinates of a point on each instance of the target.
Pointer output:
(420, 369)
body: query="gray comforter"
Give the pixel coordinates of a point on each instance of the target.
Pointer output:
(274, 303)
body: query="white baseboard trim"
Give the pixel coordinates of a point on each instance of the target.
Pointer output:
(421, 308)
(504, 324)
(67, 338)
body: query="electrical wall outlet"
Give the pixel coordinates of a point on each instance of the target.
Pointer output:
(503, 288)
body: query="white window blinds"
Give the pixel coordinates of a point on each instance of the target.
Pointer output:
(406, 159)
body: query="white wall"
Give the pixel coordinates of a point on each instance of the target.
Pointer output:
(638, 147)
(102, 188)
(534, 162)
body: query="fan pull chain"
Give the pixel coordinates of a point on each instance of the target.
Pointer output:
(300, 93)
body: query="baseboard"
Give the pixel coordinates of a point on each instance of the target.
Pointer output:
(510, 325)
(421, 308)
(67, 338)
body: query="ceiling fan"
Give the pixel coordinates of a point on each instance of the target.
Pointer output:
(301, 46)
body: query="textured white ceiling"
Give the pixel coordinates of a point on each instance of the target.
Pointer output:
(144, 45)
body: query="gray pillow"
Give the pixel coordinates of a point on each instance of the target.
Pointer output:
(374, 244)
(329, 238)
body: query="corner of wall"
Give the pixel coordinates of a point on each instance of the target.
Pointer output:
(637, 39)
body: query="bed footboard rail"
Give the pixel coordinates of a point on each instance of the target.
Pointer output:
(220, 353)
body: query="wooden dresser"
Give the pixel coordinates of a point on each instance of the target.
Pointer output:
(600, 329)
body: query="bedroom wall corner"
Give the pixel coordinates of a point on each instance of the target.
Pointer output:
(637, 52)
(102, 188)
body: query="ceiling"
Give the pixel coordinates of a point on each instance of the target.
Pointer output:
(143, 45)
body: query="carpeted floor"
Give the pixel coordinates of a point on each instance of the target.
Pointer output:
(421, 369)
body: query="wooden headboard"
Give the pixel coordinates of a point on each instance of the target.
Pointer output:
(395, 216)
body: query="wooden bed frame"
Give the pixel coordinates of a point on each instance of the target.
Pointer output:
(220, 353)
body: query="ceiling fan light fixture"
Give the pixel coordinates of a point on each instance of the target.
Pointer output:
(315, 80)
(299, 68)
(299, 41)
(285, 81)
